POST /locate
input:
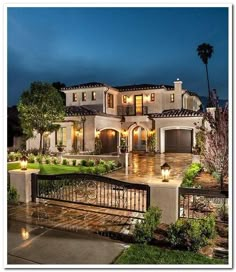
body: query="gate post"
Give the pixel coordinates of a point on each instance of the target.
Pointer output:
(165, 195)
(21, 181)
(34, 187)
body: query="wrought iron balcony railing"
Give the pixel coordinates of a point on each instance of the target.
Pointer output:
(129, 110)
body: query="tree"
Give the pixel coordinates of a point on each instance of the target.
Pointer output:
(58, 85)
(39, 108)
(205, 52)
(214, 130)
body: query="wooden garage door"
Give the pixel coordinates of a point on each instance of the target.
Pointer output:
(178, 141)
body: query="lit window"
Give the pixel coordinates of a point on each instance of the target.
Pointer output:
(75, 97)
(172, 98)
(124, 98)
(152, 97)
(93, 95)
(83, 96)
(61, 136)
(110, 101)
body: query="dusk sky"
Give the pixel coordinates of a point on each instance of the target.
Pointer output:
(116, 46)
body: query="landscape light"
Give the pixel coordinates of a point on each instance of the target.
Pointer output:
(165, 172)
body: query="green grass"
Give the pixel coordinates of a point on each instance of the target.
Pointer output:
(146, 254)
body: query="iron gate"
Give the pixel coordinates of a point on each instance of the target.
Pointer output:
(91, 190)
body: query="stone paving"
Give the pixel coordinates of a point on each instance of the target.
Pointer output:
(76, 217)
(145, 168)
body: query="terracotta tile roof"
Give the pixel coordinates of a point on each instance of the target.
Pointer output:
(143, 87)
(176, 113)
(79, 110)
(85, 85)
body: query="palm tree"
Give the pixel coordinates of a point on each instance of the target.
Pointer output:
(205, 52)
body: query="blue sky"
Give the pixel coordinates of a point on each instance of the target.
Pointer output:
(117, 46)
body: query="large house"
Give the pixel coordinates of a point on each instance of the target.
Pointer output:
(99, 111)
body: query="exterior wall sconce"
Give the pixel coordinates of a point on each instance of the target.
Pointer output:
(78, 132)
(124, 133)
(165, 172)
(98, 132)
(23, 162)
(151, 132)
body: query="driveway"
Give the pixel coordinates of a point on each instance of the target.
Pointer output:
(145, 168)
(33, 245)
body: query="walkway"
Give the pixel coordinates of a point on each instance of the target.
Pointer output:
(145, 168)
(33, 245)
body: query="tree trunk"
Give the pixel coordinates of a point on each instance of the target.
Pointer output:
(40, 142)
(208, 84)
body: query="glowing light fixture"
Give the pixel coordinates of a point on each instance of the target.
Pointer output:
(23, 162)
(165, 172)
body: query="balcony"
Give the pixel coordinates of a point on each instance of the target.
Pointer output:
(129, 110)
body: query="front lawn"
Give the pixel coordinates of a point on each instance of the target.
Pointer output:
(147, 254)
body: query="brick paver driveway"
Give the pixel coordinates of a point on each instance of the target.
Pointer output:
(145, 168)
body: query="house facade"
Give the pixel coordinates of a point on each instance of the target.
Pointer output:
(99, 112)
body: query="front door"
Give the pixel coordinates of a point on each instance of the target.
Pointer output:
(139, 137)
(138, 105)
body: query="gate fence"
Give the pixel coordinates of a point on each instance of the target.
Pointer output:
(91, 190)
(197, 203)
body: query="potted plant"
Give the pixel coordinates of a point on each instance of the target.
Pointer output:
(123, 145)
(60, 147)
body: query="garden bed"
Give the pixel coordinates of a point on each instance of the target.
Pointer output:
(207, 181)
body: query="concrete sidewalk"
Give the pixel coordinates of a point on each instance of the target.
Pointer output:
(30, 244)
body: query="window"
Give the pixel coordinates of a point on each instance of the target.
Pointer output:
(110, 101)
(75, 97)
(61, 136)
(124, 98)
(93, 95)
(172, 98)
(83, 96)
(152, 97)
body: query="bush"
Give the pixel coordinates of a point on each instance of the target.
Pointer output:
(90, 163)
(39, 159)
(11, 157)
(65, 162)
(31, 158)
(101, 162)
(191, 234)
(190, 174)
(216, 176)
(74, 162)
(47, 160)
(223, 213)
(99, 169)
(83, 163)
(144, 230)
(12, 195)
(55, 161)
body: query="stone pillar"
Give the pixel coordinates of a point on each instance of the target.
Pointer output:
(21, 180)
(125, 159)
(165, 195)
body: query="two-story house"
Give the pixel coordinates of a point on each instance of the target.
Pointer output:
(135, 111)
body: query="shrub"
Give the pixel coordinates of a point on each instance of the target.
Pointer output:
(190, 174)
(34, 151)
(55, 161)
(90, 163)
(216, 176)
(99, 169)
(39, 159)
(12, 195)
(11, 157)
(144, 230)
(223, 213)
(101, 161)
(74, 162)
(65, 162)
(31, 158)
(47, 160)
(191, 234)
(83, 163)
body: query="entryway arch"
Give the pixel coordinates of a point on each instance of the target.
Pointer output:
(138, 138)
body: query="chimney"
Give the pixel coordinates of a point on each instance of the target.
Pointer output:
(178, 85)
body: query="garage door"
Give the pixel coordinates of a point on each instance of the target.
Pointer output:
(178, 141)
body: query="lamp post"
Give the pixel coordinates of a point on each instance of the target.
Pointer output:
(23, 162)
(165, 172)
(83, 119)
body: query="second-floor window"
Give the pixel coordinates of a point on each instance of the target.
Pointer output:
(110, 100)
(75, 97)
(172, 98)
(93, 95)
(124, 98)
(152, 97)
(83, 96)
